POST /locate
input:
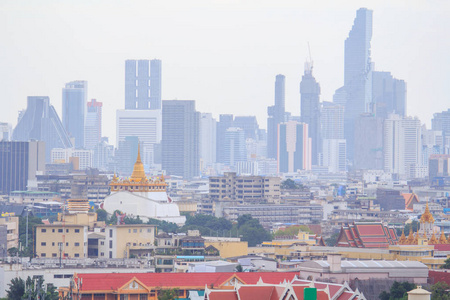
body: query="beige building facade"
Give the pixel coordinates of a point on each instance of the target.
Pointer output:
(123, 240)
(67, 241)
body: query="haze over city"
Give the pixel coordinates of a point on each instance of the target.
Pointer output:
(223, 54)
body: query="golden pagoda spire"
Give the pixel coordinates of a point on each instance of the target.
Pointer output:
(433, 240)
(427, 217)
(402, 239)
(416, 239)
(442, 239)
(410, 239)
(138, 169)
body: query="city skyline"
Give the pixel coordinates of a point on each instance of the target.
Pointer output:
(273, 42)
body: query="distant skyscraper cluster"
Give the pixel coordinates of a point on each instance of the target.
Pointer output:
(365, 126)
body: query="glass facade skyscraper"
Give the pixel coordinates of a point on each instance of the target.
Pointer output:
(143, 84)
(276, 116)
(74, 99)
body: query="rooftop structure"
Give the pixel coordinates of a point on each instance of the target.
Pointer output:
(367, 235)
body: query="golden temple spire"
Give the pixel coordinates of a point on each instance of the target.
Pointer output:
(402, 239)
(427, 217)
(410, 239)
(416, 239)
(442, 239)
(432, 240)
(138, 169)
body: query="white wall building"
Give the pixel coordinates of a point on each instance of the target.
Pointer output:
(145, 124)
(334, 155)
(207, 139)
(402, 146)
(86, 157)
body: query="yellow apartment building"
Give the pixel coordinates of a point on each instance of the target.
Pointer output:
(229, 248)
(69, 241)
(12, 230)
(123, 240)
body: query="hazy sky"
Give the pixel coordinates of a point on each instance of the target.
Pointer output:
(223, 54)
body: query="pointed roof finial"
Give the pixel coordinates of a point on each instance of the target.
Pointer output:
(138, 169)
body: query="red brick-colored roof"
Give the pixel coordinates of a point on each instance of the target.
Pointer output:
(442, 247)
(439, 276)
(367, 235)
(223, 295)
(333, 288)
(255, 292)
(345, 296)
(114, 281)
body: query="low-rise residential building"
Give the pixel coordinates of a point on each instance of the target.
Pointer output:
(32, 197)
(62, 240)
(12, 230)
(269, 214)
(123, 241)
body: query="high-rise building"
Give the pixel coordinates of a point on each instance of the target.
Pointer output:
(235, 147)
(180, 127)
(104, 155)
(126, 153)
(310, 110)
(19, 163)
(402, 146)
(225, 122)
(334, 156)
(368, 142)
(74, 98)
(5, 131)
(388, 94)
(294, 147)
(143, 84)
(40, 122)
(249, 124)
(441, 122)
(144, 124)
(207, 139)
(332, 119)
(357, 74)
(93, 128)
(276, 115)
(82, 159)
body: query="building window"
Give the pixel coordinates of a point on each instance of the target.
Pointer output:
(43, 230)
(67, 230)
(77, 244)
(54, 255)
(67, 244)
(134, 230)
(102, 243)
(110, 254)
(149, 230)
(53, 230)
(77, 255)
(77, 230)
(42, 254)
(102, 254)
(110, 244)
(60, 230)
(129, 230)
(53, 243)
(110, 233)
(43, 244)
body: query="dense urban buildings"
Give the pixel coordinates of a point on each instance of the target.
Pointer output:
(294, 147)
(74, 99)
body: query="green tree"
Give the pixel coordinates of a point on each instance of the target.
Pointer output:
(332, 240)
(414, 225)
(239, 268)
(398, 291)
(439, 291)
(290, 185)
(168, 294)
(35, 289)
(165, 226)
(32, 222)
(292, 230)
(16, 289)
(252, 231)
(446, 264)
(131, 220)
(102, 215)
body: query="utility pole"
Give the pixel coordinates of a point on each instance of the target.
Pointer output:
(26, 240)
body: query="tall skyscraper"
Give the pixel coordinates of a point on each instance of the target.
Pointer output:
(41, 122)
(5, 131)
(143, 124)
(74, 98)
(357, 74)
(143, 84)
(249, 124)
(93, 128)
(310, 110)
(276, 115)
(225, 122)
(294, 147)
(402, 146)
(368, 142)
(332, 119)
(126, 154)
(180, 127)
(235, 147)
(19, 162)
(389, 95)
(207, 139)
(441, 122)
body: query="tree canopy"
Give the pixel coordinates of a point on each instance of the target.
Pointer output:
(446, 264)
(31, 289)
(252, 231)
(32, 222)
(398, 291)
(292, 230)
(291, 185)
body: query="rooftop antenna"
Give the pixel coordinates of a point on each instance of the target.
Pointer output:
(309, 63)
